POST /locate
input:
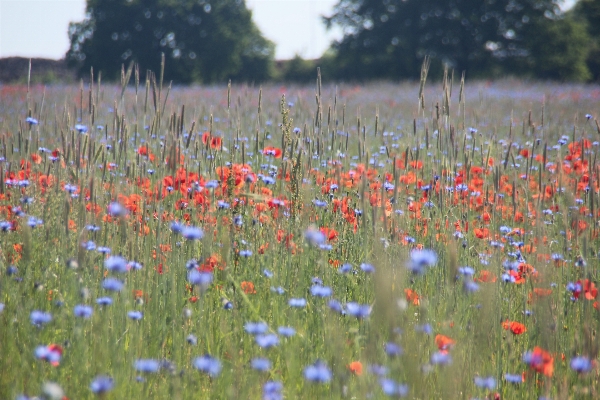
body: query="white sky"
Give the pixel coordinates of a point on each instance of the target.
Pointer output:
(38, 28)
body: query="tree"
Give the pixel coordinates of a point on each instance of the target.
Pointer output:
(389, 38)
(202, 41)
(587, 12)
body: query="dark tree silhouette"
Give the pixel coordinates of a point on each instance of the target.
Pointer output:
(202, 41)
(390, 38)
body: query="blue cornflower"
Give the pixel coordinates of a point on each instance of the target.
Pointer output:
(442, 358)
(116, 264)
(358, 310)
(40, 318)
(319, 203)
(488, 383)
(256, 328)
(318, 372)
(466, 271)
(207, 364)
(83, 311)
(103, 250)
(286, 331)
(267, 341)
(260, 364)
(420, 260)
(513, 378)
(89, 245)
(581, 364)
(320, 291)
(469, 286)
(378, 370)
(135, 315)
(297, 302)
(278, 290)
(134, 265)
(104, 301)
(191, 339)
(116, 210)
(336, 306)
(272, 390)
(112, 284)
(314, 236)
(176, 227)
(147, 365)
(368, 268)
(391, 388)
(267, 273)
(31, 121)
(102, 384)
(192, 233)
(202, 279)
(245, 253)
(393, 349)
(345, 268)
(81, 128)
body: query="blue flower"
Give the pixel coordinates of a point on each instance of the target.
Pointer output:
(245, 253)
(441, 358)
(336, 306)
(297, 302)
(81, 128)
(272, 390)
(420, 260)
(256, 328)
(267, 273)
(192, 233)
(147, 365)
(260, 364)
(135, 315)
(83, 311)
(198, 278)
(104, 301)
(278, 290)
(378, 370)
(286, 331)
(207, 364)
(318, 372)
(391, 388)
(581, 364)
(116, 210)
(102, 384)
(367, 268)
(488, 383)
(267, 341)
(40, 318)
(191, 339)
(393, 349)
(31, 121)
(116, 264)
(321, 291)
(345, 268)
(513, 378)
(112, 284)
(358, 310)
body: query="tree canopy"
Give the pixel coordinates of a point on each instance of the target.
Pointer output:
(202, 41)
(389, 38)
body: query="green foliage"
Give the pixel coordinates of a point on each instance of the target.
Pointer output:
(202, 42)
(389, 39)
(587, 12)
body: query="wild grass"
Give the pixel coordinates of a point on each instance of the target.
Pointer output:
(350, 187)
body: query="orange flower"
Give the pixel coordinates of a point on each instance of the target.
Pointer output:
(443, 343)
(248, 287)
(272, 151)
(412, 296)
(540, 361)
(516, 328)
(356, 368)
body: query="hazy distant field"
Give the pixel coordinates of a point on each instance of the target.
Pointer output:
(338, 242)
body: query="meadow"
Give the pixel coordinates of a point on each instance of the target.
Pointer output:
(433, 240)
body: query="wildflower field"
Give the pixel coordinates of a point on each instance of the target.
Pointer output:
(429, 241)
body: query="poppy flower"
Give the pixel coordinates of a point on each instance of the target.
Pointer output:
(444, 343)
(516, 328)
(272, 151)
(356, 368)
(540, 361)
(248, 287)
(412, 296)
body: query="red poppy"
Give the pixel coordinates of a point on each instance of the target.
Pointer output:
(272, 151)
(516, 328)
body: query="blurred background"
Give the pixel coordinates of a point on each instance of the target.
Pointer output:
(267, 40)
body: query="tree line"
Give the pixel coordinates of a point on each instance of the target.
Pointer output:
(207, 42)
